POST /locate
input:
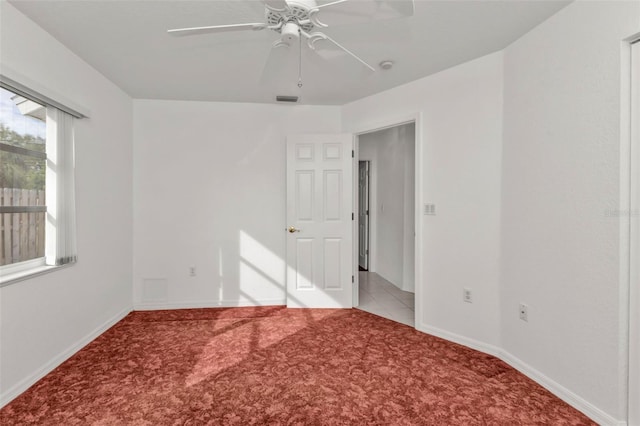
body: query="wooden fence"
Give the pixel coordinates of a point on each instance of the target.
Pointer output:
(21, 234)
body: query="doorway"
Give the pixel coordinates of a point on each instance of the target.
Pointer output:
(386, 221)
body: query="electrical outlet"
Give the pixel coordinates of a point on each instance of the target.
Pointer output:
(524, 312)
(466, 295)
(192, 271)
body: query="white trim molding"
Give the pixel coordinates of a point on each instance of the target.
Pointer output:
(459, 339)
(48, 95)
(196, 304)
(588, 409)
(630, 259)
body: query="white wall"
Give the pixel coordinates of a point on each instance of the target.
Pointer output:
(209, 192)
(460, 133)
(392, 152)
(45, 319)
(561, 166)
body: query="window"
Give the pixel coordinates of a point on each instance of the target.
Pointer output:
(37, 196)
(22, 178)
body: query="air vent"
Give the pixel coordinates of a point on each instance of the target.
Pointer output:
(281, 98)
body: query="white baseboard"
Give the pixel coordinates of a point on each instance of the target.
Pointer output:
(457, 338)
(11, 393)
(580, 404)
(206, 304)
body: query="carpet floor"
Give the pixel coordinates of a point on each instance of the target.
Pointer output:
(278, 366)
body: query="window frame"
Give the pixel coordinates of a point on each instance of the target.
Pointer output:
(19, 271)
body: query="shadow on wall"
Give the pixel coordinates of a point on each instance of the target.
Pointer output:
(254, 276)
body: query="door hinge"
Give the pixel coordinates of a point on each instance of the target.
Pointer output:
(353, 154)
(353, 217)
(353, 279)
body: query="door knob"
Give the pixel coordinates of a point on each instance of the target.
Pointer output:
(293, 229)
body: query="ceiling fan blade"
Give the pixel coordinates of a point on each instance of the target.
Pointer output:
(331, 3)
(217, 29)
(402, 7)
(329, 49)
(334, 62)
(383, 33)
(345, 12)
(276, 4)
(281, 65)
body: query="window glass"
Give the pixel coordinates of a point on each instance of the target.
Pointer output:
(22, 178)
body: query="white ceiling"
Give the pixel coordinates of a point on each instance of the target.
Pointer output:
(128, 43)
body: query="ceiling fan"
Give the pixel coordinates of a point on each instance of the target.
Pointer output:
(299, 20)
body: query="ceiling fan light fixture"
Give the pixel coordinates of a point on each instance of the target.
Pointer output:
(290, 32)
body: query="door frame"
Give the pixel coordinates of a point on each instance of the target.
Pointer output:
(375, 126)
(630, 226)
(369, 229)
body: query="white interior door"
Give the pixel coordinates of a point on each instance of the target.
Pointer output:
(363, 214)
(319, 221)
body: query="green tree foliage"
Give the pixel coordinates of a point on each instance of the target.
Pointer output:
(21, 171)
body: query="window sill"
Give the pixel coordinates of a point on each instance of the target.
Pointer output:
(14, 277)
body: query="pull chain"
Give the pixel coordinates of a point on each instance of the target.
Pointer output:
(300, 59)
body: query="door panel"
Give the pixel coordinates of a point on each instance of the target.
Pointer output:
(333, 195)
(332, 263)
(319, 221)
(304, 263)
(304, 194)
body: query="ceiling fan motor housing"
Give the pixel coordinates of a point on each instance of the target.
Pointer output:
(296, 13)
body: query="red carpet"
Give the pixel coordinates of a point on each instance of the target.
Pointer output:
(275, 366)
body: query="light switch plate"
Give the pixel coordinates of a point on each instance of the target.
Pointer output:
(430, 209)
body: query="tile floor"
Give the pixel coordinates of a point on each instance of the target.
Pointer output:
(378, 296)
